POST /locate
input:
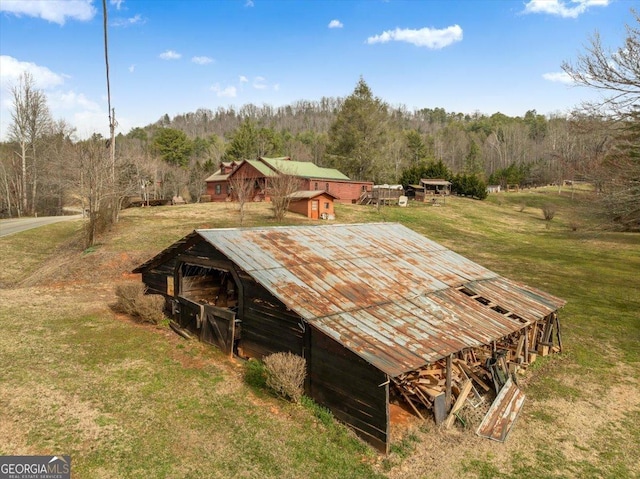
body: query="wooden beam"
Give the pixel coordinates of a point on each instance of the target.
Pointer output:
(462, 397)
(520, 345)
(415, 409)
(558, 335)
(473, 375)
(447, 391)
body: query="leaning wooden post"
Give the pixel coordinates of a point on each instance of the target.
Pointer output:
(447, 394)
(558, 335)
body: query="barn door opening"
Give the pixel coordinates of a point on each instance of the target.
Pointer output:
(208, 298)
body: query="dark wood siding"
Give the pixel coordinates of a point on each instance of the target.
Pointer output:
(203, 250)
(267, 326)
(350, 387)
(356, 392)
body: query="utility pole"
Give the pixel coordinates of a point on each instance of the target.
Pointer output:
(112, 112)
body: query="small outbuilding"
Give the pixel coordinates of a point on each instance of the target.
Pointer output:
(377, 311)
(312, 204)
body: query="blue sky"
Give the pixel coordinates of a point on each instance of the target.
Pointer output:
(177, 56)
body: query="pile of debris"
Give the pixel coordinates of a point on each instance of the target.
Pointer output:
(476, 375)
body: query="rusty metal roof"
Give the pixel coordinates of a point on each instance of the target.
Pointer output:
(384, 291)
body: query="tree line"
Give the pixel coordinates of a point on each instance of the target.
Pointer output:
(361, 135)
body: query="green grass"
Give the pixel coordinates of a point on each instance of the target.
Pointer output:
(23, 253)
(127, 400)
(117, 396)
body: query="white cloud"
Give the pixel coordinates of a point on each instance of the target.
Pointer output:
(117, 3)
(170, 55)
(249, 3)
(244, 79)
(11, 69)
(424, 37)
(259, 83)
(228, 92)
(128, 22)
(335, 24)
(202, 60)
(563, 9)
(70, 100)
(56, 11)
(132, 68)
(86, 115)
(559, 77)
(276, 87)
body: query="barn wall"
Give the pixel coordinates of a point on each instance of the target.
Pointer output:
(267, 325)
(346, 191)
(356, 392)
(155, 279)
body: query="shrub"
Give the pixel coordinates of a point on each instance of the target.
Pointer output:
(285, 375)
(133, 301)
(549, 211)
(255, 374)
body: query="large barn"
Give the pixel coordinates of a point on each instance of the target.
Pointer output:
(364, 304)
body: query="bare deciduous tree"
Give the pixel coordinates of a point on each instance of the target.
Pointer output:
(94, 170)
(242, 189)
(618, 74)
(31, 120)
(279, 188)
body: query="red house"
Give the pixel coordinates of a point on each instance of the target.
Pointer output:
(218, 184)
(311, 178)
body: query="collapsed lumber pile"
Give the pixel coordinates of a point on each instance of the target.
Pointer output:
(474, 374)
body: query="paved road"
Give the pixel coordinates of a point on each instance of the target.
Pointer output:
(8, 227)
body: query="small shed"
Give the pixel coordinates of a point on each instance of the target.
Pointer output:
(369, 307)
(312, 204)
(436, 186)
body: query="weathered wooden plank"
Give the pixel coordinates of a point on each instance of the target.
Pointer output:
(462, 397)
(502, 414)
(447, 392)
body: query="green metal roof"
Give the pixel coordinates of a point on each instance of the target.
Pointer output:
(304, 169)
(261, 167)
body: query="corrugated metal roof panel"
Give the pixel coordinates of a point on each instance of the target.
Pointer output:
(382, 290)
(498, 421)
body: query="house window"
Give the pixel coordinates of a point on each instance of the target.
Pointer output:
(364, 188)
(228, 189)
(218, 189)
(326, 206)
(326, 187)
(316, 186)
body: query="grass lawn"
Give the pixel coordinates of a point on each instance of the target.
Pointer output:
(131, 400)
